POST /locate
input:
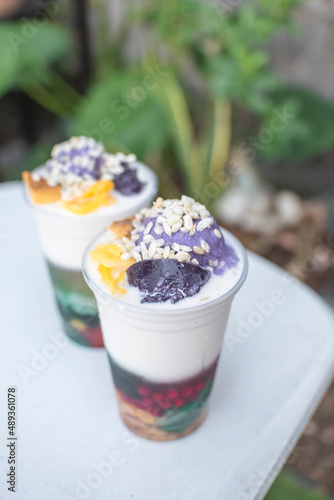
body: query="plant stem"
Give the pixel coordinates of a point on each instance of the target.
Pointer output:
(72, 94)
(46, 99)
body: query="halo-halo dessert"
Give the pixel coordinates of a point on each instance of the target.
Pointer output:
(74, 196)
(164, 282)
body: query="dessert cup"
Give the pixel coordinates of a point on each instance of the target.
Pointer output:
(64, 237)
(163, 359)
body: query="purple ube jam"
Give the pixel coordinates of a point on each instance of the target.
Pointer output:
(164, 279)
(219, 250)
(127, 182)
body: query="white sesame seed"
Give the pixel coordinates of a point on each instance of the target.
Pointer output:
(194, 214)
(158, 229)
(148, 227)
(203, 212)
(185, 248)
(217, 233)
(204, 223)
(166, 252)
(188, 222)
(205, 246)
(182, 256)
(160, 250)
(161, 219)
(187, 201)
(148, 238)
(160, 242)
(192, 231)
(173, 219)
(178, 210)
(198, 250)
(213, 263)
(158, 202)
(152, 249)
(143, 250)
(176, 247)
(167, 229)
(177, 226)
(195, 261)
(125, 256)
(136, 255)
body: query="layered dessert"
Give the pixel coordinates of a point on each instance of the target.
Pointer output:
(74, 196)
(164, 282)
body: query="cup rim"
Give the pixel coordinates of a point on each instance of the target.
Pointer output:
(140, 309)
(151, 186)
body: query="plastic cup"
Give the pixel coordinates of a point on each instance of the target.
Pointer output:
(64, 238)
(163, 360)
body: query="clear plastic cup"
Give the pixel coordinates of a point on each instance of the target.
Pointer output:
(64, 237)
(163, 360)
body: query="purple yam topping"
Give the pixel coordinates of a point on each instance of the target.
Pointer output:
(127, 182)
(220, 256)
(82, 157)
(165, 279)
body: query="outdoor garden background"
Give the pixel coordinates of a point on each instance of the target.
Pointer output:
(229, 101)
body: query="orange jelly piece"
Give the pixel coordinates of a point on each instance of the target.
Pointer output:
(94, 197)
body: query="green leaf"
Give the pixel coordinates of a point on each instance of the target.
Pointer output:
(122, 113)
(27, 51)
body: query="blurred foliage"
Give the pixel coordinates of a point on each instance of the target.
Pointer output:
(166, 82)
(310, 132)
(27, 54)
(286, 488)
(210, 59)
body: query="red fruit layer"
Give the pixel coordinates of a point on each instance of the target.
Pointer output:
(156, 398)
(93, 336)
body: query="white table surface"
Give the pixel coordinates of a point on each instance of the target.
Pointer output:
(266, 389)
